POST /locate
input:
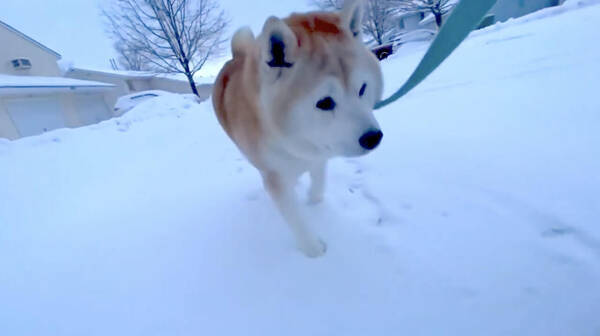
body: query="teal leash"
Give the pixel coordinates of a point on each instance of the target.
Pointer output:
(464, 18)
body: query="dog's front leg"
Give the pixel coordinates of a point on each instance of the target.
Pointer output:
(317, 183)
(281, 190)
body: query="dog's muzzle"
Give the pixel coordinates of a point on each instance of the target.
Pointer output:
(371, 139)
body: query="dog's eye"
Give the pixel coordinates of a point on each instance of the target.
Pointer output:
(326, 104)
(363, 88)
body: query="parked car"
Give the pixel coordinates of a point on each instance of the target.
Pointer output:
(128, 102)
(384, 51)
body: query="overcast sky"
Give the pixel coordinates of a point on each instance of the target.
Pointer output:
(74, 28)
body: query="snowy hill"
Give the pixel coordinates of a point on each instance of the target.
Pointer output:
(478, 215)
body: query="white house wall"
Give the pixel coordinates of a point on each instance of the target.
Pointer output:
(69, 102)
(171, 85)
(411, 22)
(179, 86)
(43, 63)
(91, 108)
(139, 84)
(36, 115)
(125, 86)
(121, 86)
(7, 128)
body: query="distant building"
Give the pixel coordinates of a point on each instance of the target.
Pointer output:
(128, 82)
(34, 98)
(506, 9)
(416, 25)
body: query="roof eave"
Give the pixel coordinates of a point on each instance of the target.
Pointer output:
(22, 90)
(112, 74)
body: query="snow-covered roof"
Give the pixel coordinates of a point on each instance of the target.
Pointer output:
(16, 83)
(127, 74)
(198, 79)
(205, 80)
(38, 44)
(116, 73)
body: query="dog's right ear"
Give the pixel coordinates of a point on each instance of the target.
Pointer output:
(352, 16)
(278, 44)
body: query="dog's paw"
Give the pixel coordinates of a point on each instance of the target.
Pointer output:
(314, 248)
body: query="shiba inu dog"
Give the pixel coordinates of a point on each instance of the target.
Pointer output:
(297, 95)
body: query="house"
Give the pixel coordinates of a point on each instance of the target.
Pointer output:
(412, 22)
(421, 25)
(128, 82)
(34, 98)
(506, 9)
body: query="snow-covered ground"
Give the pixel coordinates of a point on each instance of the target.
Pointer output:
(479, 214)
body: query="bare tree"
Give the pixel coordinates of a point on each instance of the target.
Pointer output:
(169, 36)
(130, 58)
(328, 4)
(437, 7)
(380, 23)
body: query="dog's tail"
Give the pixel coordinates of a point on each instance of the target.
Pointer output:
(242, 40)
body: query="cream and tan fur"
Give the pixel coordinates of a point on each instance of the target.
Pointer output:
(299, 94)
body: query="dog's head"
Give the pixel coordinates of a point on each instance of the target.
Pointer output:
(319, 83)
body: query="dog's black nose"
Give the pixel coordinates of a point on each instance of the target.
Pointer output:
(370, 140)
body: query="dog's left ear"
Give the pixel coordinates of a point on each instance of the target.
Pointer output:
(278, 44)
(352, 16)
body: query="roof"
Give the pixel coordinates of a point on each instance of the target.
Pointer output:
(117, 73)
(198, 79)
(128, 74)
(14, 30)
(18, 83)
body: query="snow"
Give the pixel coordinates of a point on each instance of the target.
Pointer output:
(65, 65)
(117, 73)
(128, 102)
(9, 81)
(148, 74)
(477, 216)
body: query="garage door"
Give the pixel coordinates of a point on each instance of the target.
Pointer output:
(34, 116)
(92, 109)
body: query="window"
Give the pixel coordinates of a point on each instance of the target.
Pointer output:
(21, 63)
(401, 24)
